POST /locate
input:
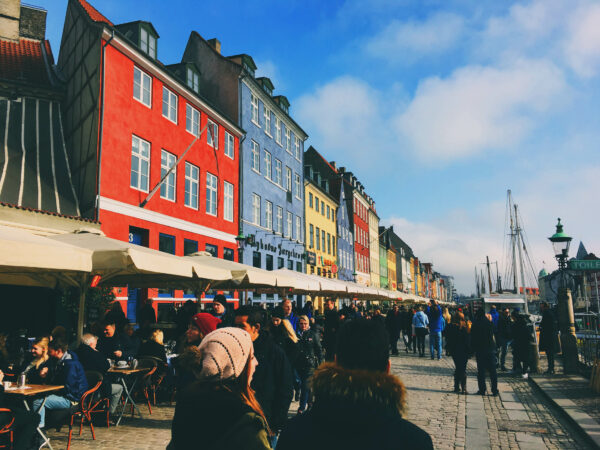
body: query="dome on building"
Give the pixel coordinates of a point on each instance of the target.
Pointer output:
(543, 273)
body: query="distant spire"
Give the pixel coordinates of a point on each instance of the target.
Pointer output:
(581, 251)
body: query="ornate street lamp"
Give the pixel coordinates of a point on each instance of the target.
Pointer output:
(566, 319)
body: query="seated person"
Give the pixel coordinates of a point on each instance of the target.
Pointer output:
(131, 339)
(38, 364)
(68, 373)
(112, 345)
(25, 421)
(154, 346)
(92, 359)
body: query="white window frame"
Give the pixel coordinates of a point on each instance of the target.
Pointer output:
(171, 109)
(255, 155)
(256, 209)
(278, 130)
(212, 139)
(288, 140)
(268, 165)
(297, 147)
(229, 145)
(267, 114)
(268, 215)
(138, 146)
(288, 179)
(278, 175)
(298, 229)
(254, 109)
(279, 220)
(192, 120)
(193, 79)
(212, 190)
(148, 47)
(145, 85)
(192, 178)
(289, 225)
(297, 186)
(168, 188)
(228, 197)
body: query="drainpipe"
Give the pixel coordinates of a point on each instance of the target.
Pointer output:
(99, 170)
(241, 171)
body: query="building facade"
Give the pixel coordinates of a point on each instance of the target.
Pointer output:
(383, 267)
(391, 260)
(374, 243)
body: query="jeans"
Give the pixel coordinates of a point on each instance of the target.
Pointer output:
(304, 391)
(503, 350)
(435, 342)
(116, 390)
(486, 361)
(460, 370)
(394, 343)
(421, 333)
(52, 402)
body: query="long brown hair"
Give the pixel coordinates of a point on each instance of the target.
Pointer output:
(247, 393)
(459, 319)
(42, 342)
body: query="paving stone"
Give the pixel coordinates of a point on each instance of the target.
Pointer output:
(517, 415)
(513, 405)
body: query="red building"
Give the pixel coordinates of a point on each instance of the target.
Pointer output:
(128, 118)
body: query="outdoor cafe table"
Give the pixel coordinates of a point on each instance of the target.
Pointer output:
(28, 392)
(122, 373)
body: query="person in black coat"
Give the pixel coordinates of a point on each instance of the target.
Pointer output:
(406, 319)
(283, 334)
(548, 335)
(458, 344)
(484, 346)
(112, 345)
(273, 380)
(330, 329)
(393, 324)
(358, 404)
(521, 344)
(25, 422)
(154, 347)
(309, 355)
(504, 336)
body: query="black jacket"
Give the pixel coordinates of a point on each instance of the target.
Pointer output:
(33, 373)
(522, 337)
(393, 323)
(273, 380)
(458, 341)
(482, 336)
(213, 418)
(354, 409)
(309, 352)
(154, 349)
(282, 339)
(549, 332)
(330, 330)
(107, 346)
(504, 328)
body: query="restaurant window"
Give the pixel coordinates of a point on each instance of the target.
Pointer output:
(256, 260)
(189, 246)
(280, 263)
(298, 266)
(290, 264)
(142, 87)
(269, 262)
(166, 243)
(319, 271)
(228, 254)
(212, 249)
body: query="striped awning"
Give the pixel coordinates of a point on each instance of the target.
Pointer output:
(34, 167)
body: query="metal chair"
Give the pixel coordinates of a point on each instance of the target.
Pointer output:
(7, 429)
(85, 405)
(100, 404)
(145, 381)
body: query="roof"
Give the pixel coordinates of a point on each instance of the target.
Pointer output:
(24, 61)
(137, 23)
(543, 273)
(93, 13)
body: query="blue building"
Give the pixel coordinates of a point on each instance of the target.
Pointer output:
(271, 200)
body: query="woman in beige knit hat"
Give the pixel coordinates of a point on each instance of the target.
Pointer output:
(219, 410)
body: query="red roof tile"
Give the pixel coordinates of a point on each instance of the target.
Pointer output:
(23, 61)
(93, 13)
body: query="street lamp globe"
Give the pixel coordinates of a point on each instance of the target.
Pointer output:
(560, 241)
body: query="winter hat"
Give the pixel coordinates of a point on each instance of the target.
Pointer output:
(205, 322)
(225, 353)
(278, 312)
(220, 298)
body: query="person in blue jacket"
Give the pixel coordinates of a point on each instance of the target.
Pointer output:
(436, 326)
(68, 372)
(420, 323)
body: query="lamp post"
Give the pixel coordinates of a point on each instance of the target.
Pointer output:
(566, 320)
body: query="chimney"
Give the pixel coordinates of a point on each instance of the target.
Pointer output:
(33, 22)
(215, 43)
(333, 164)
(10, 15)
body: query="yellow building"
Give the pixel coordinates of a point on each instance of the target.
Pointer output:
(374, 244)
(391, 263)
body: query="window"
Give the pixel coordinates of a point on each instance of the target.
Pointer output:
(148, 43)
(229, 151)
(267, 121)
(310, 200)
(322, 208)
(256, 209)
(298, 266)
(269, 262)
(189, 247)
(212, 249)
(278, 180)
(288, 140)
(323, 240)
(290, 265)
(192, 179)
(169, 109)
(254, 103)
(166, 243)
(288, 231)
(297, 147)
(211, 194)
(268, 172)
(142, 87)
(269, 215)
(228, 201)
(328, 211)
(212, 135)
(256, 259)
(140, 164)
(317, 203)
(192, 120)
(279, 221)
(311, 235)
(318, 238)
(255, 162)
(298, 230)
(228, 254)
(297, 185)
(328, 243)
(280, 263)
(278, 130)
(288, 179)
(193, 80)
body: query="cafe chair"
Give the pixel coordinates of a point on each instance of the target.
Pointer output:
(101, 401)
(158, 377)
(145, 382)
(85, 405)
(6, 431)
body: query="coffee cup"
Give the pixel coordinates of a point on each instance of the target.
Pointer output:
(7, 385)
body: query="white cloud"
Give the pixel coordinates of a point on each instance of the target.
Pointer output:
(582, 44)
(405, 41)
(478, 108)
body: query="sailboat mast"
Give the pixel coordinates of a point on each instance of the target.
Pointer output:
(487, 258)
(519, 239)
(513, 243)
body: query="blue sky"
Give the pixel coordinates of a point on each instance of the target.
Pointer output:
(439, 107)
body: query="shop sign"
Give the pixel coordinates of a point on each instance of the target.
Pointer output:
(278, 249)
(311, 258)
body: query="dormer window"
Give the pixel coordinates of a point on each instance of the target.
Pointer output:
(267, 90)
(193, 80)
(148, 42)
(285, 108)
(248, 69)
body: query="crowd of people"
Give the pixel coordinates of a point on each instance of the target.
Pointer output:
(235, 372)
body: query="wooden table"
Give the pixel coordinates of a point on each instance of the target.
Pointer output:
(122, 374)
(30, 391)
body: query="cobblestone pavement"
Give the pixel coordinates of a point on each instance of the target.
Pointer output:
(518, 419)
